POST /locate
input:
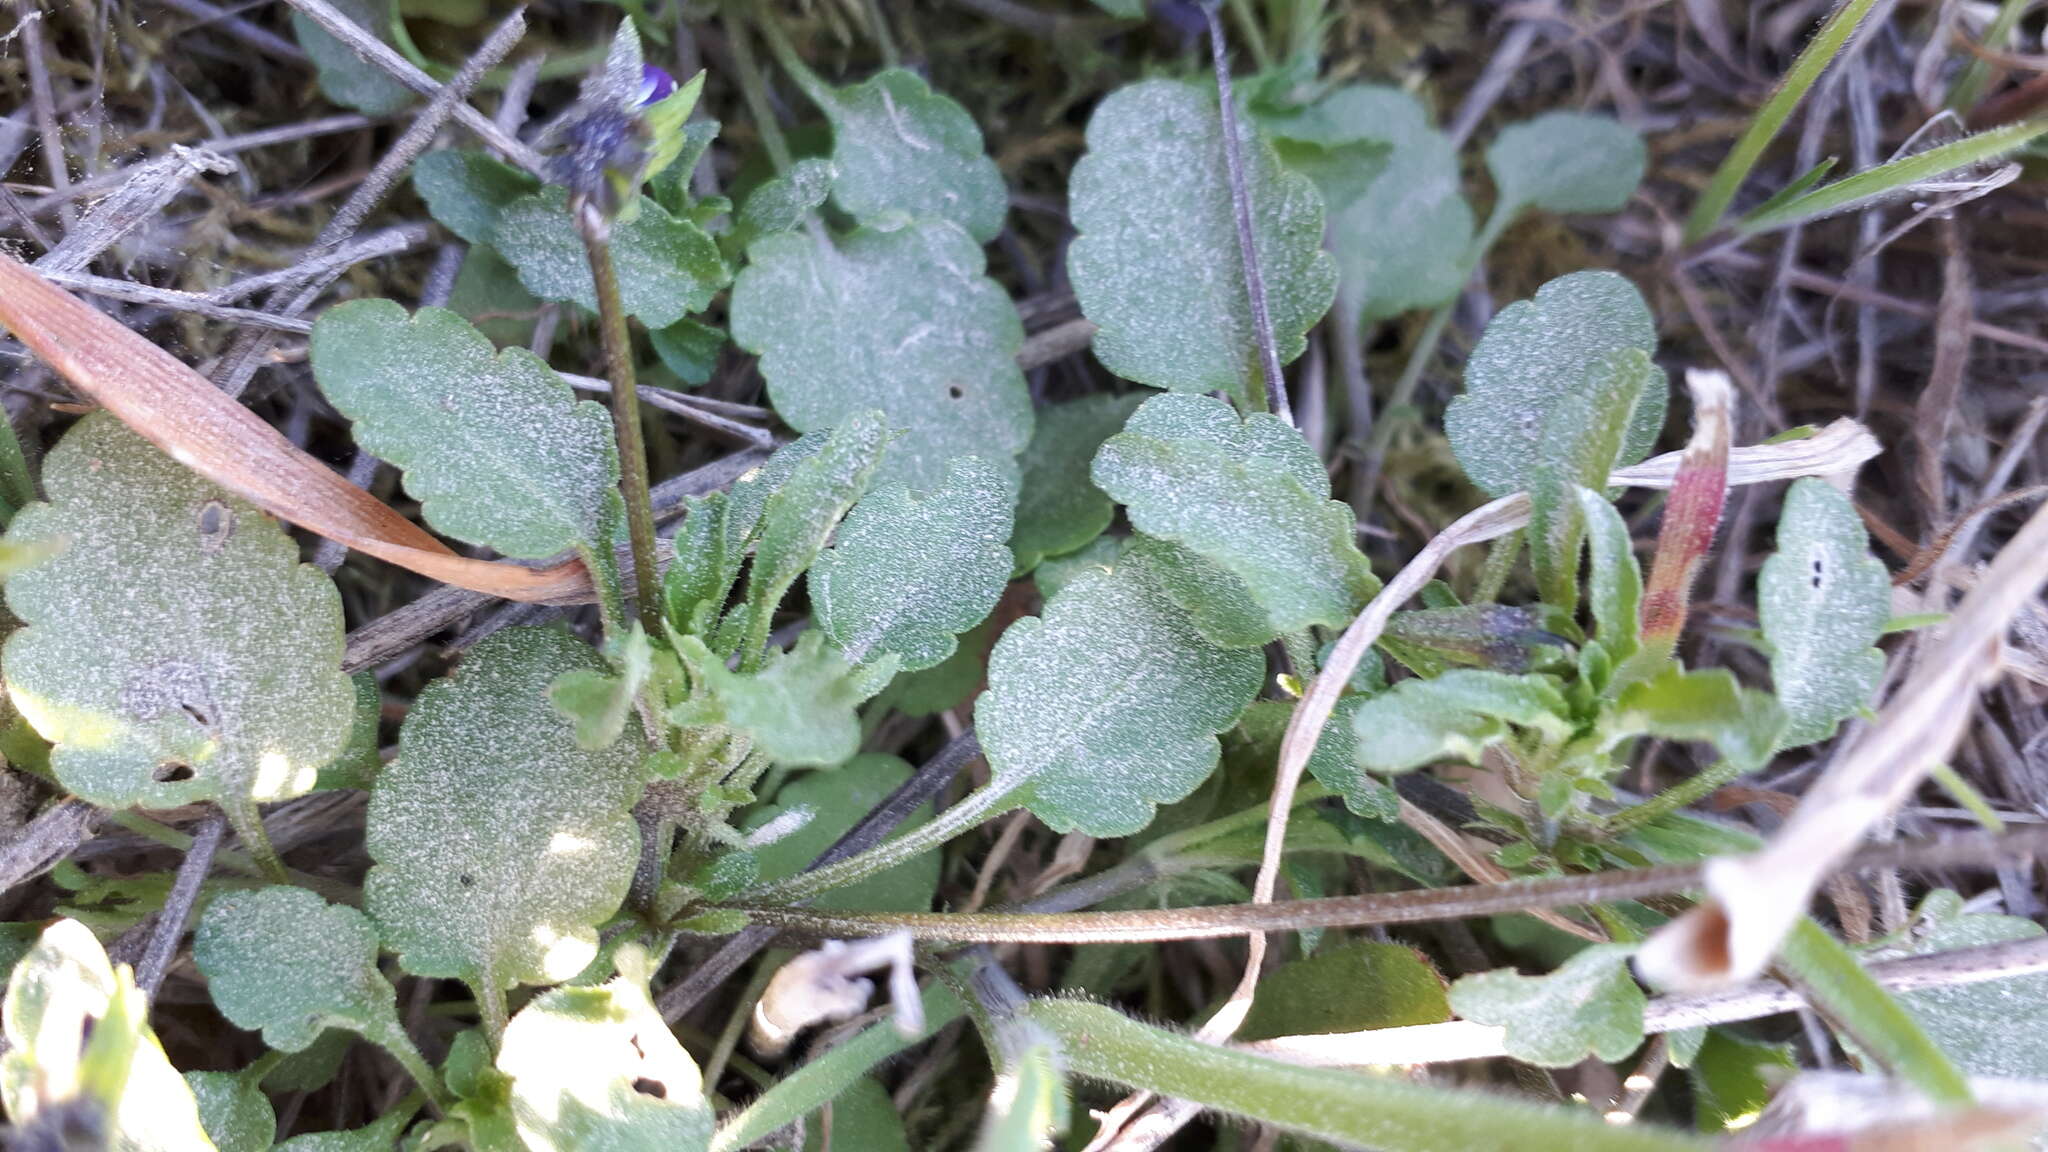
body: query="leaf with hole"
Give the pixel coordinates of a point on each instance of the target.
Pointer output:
(1109, 704)
(174, 649)
(667, 267)
(1059, 508)
(1249, 496)
(1565, 162)
(901, 149)
(907, 574)
(1454, 716)
(1157, 264)
(903, 321)
(499, 844)
(1588, 1006)
(1533, 352)
(494, 446)
(1823, 600)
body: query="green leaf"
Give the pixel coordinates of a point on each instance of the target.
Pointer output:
(1823, 600)
(1534, 351)
(799, 709)
(360, 759)
(903, 321)
(1250, 496)
(1109, 704)
(78, 1037)
(1350, 988)
(1029, 1105)
(952, 681)
(488, 294)
(234, 1111)
(798, 518)
(1157, 265)
(688, 348)
(285, 962)
(1256, 745)
(601, 702)
(378, 1136)
(1993, 1028)
(1733, 1079)
(838, 800)
(1743, 724)
(1565, 162)
(1581, 441)
(499, 845)
(862, 1117)
(781, 203)
(495, 447)
(1059, 508)
(1222, 607)
(465, 190)
(175, 650)
(1589, 1005)
(1858, 1006)
(1454, 716)
(1616, 589)
(667, 267)
(598, 1068)
(346, 78)
(1103, 552)
(901, 149)
(907, 575)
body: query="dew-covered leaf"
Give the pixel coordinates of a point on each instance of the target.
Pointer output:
(494, 445)
(1615, 590)
(233, 1110)
(1589, 1005)
(780, 203)
(285, 962)
(1582, 437)
(78, 1035)
(1248, 495)
(901, 149)
(465, 190)
(499, 844)
(1222, 607)
(800, 515)
(1454, 716)
(1566, 162)
(667, 267)
(1349, 988)
(1157, 265)
(174, 650)
(838, 800)
(1823, 600)
(799, 708)
(900, 320)
(1993, 1028)
(1534, 351)
(1109, 704)
(907, 574)
(597, 1068)
(1059, 508)
(1707, 704)
(346, 78)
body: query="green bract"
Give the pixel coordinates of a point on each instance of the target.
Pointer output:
(175, 649)
(1157, 265)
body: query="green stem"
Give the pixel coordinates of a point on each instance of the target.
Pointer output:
(1859, 1006)
(972, 811)
(1343, 1107)
(1960, 790)
(490, 1008)
(752, 89)
(247, 822)
(885, 41)
(1697, 787)
(394, 1040)
(618, 351)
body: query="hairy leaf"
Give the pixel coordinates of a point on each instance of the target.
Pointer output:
(1059, 508)
(903, 321)
(667, 267)
(1029, 1104)
(781, 203)
(1533, 352)
(175, 650)
(1248, 495)
(1109, 704)
(499, 844)
(465, 190)
(688, 348)
(1995, 1028)
(1823, 600)
(1157, 265)
(1589, 1005)
(1222, 607)
(900, 148)
(799, 516)
(907, 575)
(1566, 162)
(798, 709)
(601, 702)
(234, 1111)
(837, 801)
(495, 447)
(1454, 716)
(1355, 986)
(1581, 440)
(1615, 591)
(1707, 704)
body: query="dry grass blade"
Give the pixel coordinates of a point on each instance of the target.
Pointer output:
(204, 429)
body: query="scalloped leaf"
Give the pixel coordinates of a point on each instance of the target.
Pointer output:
(494, 445)
(1157, 265)
(286, 962)
(1824, 601)
(901, 320)
(1534, 351)
(174, 648)
(907, 575)
(1059, 508)
(798, 709)
(1109, 704)
(668, 267)
(1566, 162)
(498, 843)
(599, 1068)
(1589, 1005)
(466, 189)
(1454, 716)
(1249, 496)
(900, 148)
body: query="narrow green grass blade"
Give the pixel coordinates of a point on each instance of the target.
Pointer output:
(1891, 179)
(1970, 85)
(1813, 60)
(1836, 984)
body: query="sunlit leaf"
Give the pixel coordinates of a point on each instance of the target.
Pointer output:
(1588, 1006)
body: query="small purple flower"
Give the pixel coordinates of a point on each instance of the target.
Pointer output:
(656, 85)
